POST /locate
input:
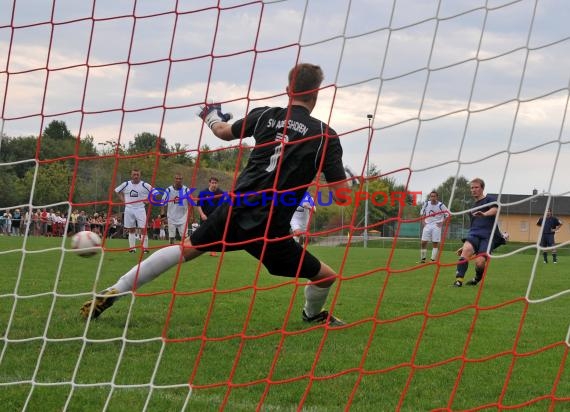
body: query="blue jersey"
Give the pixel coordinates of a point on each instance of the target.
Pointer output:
(209, 201)
(482, 226)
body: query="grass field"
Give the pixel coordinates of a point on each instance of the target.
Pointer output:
(413, 343)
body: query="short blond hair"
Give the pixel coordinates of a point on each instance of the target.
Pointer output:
(480, 181)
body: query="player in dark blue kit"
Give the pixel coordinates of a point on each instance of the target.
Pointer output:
(551, 226)
(208, 200)
(291, 148)
(479, 235)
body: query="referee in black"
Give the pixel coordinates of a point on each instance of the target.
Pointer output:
(291, 148)
(551, 226)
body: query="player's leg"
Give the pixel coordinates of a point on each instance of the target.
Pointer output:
(210, 233)
(551, 244)
(171, 232)
(469, 248)
(435, 238)
(426, 237)
(287, 258)
(316, 293)
(544, 243)
(480, 264)
(140, 216)
(140, 274)
(130, 224)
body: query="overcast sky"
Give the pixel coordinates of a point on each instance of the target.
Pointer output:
(470, 87)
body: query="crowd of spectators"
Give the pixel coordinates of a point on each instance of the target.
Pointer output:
(44, 222)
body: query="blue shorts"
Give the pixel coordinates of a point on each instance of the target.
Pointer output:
(480, 244)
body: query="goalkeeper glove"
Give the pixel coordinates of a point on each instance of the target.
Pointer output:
(212, 114)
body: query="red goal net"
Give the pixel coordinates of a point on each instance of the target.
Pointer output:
(422, 94)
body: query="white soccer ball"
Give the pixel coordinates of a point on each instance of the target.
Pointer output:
(86, 243)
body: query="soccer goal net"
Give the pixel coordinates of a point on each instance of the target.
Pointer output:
(424, 95)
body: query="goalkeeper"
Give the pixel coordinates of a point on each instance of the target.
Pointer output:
(479, 235)
(291, 147)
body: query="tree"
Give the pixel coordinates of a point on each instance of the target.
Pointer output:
(181, 155)
(57, 129)
(461, 196)
(147, 142)
(205, 156)
(19, 148)
(52, 183)
(228, 158)
(110, 148)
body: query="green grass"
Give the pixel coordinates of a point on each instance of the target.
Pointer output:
(413, 342)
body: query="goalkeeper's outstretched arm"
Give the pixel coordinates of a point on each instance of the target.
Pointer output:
(217, 121)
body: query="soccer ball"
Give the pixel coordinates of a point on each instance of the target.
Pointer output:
(86, 243)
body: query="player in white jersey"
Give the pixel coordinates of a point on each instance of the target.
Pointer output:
(177, 209)
(433, 213)
(300, 219)
(134, 194)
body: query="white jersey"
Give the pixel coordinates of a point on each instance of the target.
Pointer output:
(300, 219)
(434, 214)
(177, 211)
(135, 194)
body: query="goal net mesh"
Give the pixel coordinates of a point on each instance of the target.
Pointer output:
(91, 89)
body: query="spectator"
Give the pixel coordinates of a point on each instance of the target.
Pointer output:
(73, 220)
(113, 226)
(82, 221)
(2, 224)
(156, 223)
(50, 219)
(44, 217)
(16, 220)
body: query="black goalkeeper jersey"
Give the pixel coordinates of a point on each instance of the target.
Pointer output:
(291, 146)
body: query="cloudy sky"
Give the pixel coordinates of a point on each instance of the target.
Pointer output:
(456, 87)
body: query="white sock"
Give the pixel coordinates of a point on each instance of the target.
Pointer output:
(145, 241)
(315, 298)
(132, 240)
(434, 253)
(149, 269)
(423, 253)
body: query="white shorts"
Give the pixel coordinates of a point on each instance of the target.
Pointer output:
(299, 224)
(431, 233)
(135, 218)
(172, 228)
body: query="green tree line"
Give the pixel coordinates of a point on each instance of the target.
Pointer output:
(57, 167)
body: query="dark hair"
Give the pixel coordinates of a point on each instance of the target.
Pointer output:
(213, 179)
(305, 80)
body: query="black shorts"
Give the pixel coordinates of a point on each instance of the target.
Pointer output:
(281, 256)
(547, 240)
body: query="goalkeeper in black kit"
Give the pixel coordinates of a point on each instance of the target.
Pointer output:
(291, 148)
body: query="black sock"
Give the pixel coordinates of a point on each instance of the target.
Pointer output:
(479, 273)
(462, 266)
(545, 256)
